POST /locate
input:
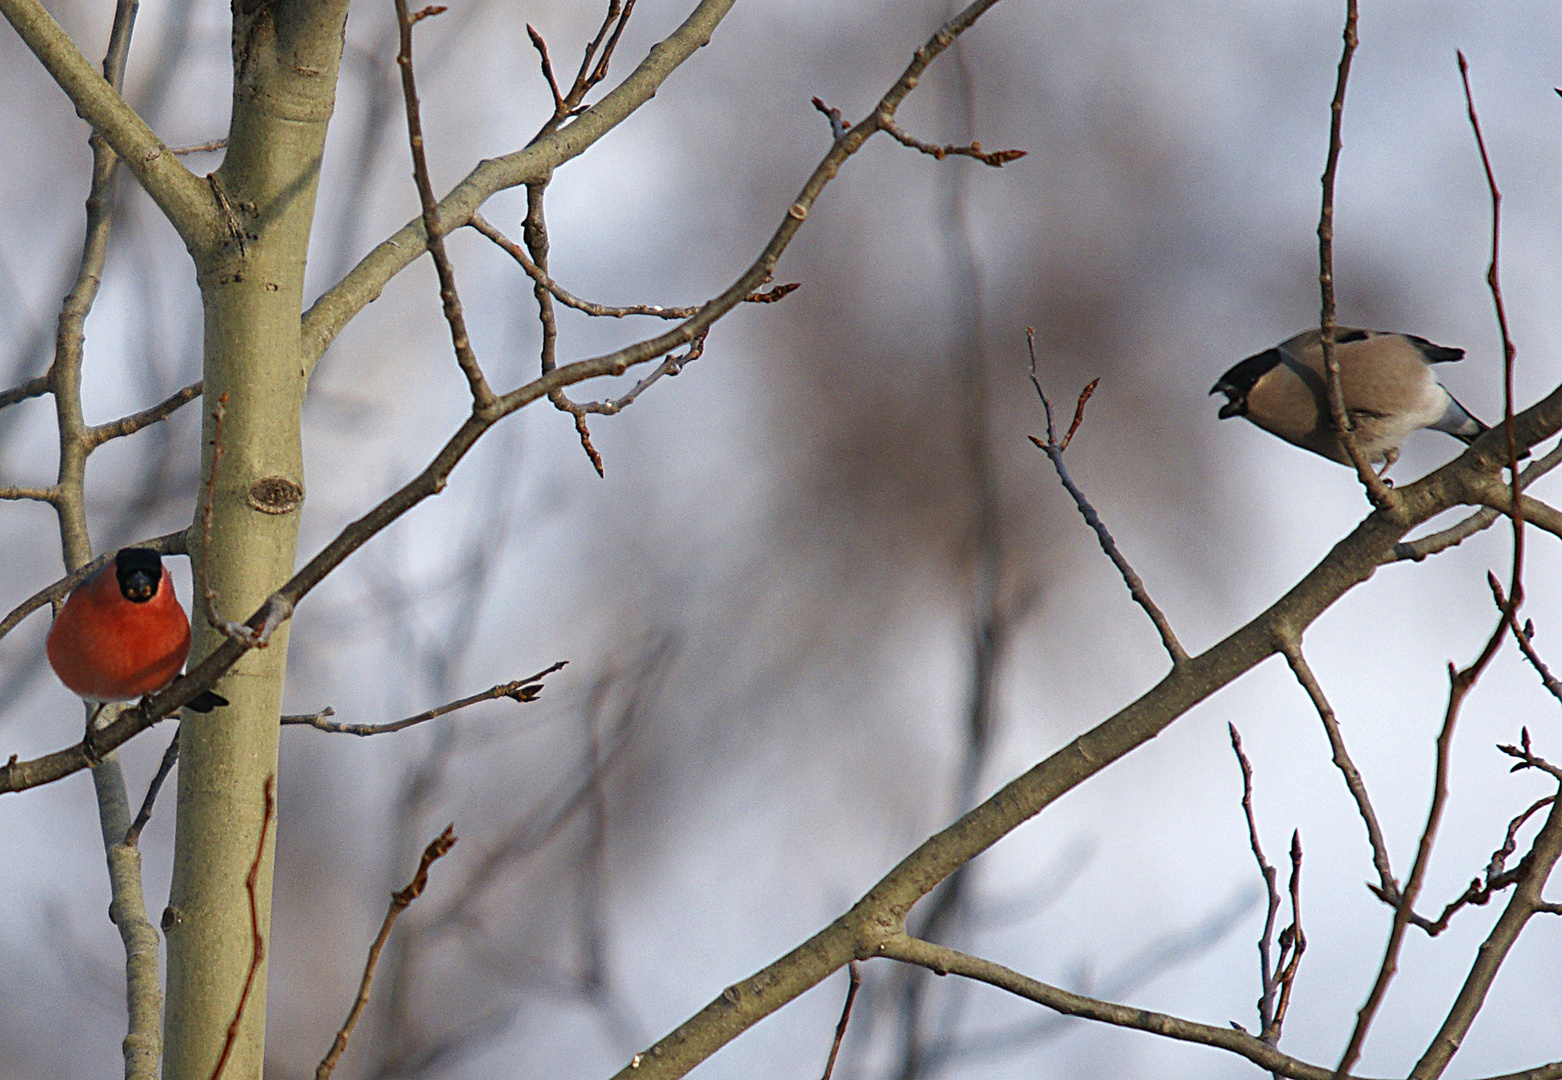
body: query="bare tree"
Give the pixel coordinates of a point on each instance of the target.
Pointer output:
(247, 228)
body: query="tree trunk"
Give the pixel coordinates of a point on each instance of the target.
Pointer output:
(286, 58)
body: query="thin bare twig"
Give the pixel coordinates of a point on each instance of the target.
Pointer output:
(1525, 636)
(144, 815)
(1054, 451)
(1460, 682)
(400, 901)
(484, 400)
(1526, 901)
(1388, 887)
(995, 158)
(569, 299)
(1379, 492)
(521, 690)
(133, 423)
(1267, 984)
(855, 975)
(1292, 939)
(668, 367)
(1497, 875)
(257, 943)
(547, 68)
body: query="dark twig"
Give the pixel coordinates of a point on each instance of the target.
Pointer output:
(1267, 984)
(1497, 876)
(1534, 870)
(569, 299)
(1380, 494)
(484, 401)
(1291, 938)
(133, 423)
(144, 815)
(1388, 888)
(1054, 451)
(521, 691)
(1525, 636)
(996, 158)
(668, 367)
(1509, 351)
(400, 901)
(547, 68)
(855, 975)
(173, 543)
(1460, 682)
(257, 943)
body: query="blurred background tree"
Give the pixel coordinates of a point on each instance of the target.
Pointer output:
(826, 595)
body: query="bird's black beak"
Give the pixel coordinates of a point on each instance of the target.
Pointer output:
(1234, 407)
(138, 587)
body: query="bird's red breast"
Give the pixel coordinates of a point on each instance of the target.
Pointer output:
(106, 647)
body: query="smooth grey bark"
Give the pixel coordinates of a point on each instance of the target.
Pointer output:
(286, 58)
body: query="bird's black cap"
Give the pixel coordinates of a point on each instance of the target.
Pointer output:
(140, 572)
(1236, 383)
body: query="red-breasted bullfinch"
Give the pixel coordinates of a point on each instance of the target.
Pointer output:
(122, 633)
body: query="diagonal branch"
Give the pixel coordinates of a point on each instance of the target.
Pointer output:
(434, 230)
(133, 423)
(182, 196)
(531, 164)
(521, 690)
(1054, 451)
(400, 901)
(1380, 494)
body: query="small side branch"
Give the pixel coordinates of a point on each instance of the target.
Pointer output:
(35, 387)
(257, 943)
(570, 300)
(521, 691)
(855, 975)
(144, 815)
(1054, 451)
(400, 901)
(129, 425)
(483, 398)
(996, 158)
(1378, 491)
(945, 961)
(1388, 888)
(18, 493)
(1525, 636)
(1484, 518)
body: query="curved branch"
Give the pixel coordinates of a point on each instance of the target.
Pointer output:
(336, 307)
(182, 196)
